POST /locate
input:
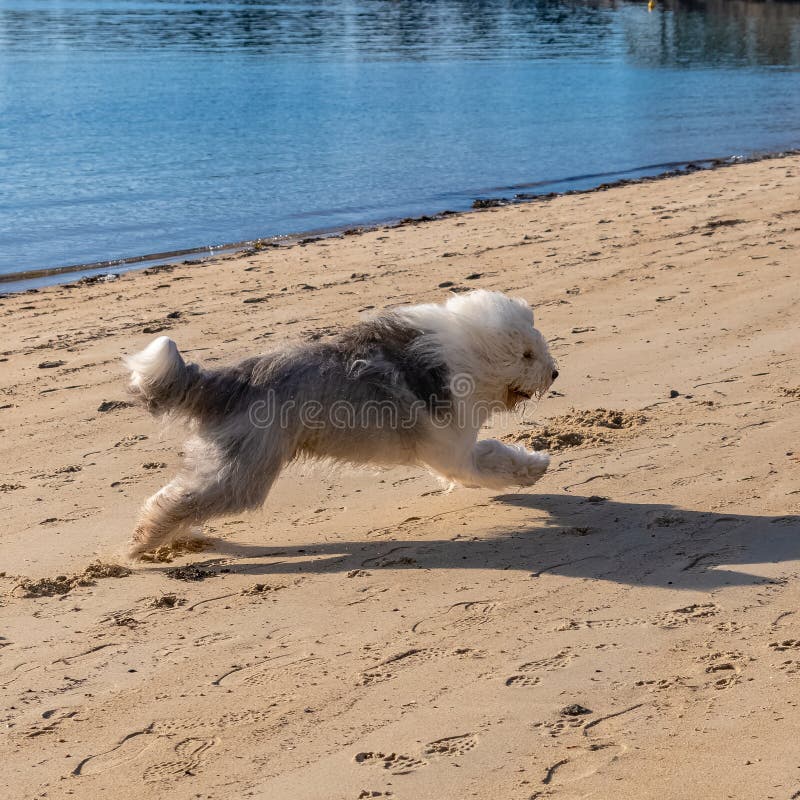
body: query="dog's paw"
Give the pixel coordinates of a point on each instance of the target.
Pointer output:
(530, 467)
(136, 550)
(142, 542)
(502, 465)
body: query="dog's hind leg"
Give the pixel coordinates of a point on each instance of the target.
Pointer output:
(167, 515)
(216, 480)
(489, 464)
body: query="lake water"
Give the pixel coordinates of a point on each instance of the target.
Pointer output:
(130, 127)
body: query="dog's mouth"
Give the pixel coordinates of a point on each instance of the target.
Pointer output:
(515, 396)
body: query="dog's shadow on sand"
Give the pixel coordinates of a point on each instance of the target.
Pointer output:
(583, 537)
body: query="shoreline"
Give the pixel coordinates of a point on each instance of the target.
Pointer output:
(490, 198)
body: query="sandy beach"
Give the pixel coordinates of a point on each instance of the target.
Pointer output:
(628, 628)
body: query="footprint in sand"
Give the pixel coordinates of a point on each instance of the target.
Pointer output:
(388, 668)
(593, 624)
(460, 616)
(727, 626)
(400, 764)
(785, 645)
(583, 763)
(191, 755)
(395, 763)
(211, 638)
(526, 673)
(523, 680)
(90, 657)
(262, 672)
(128, 749)
(724, 669)
(685, 615)
(231, 719)
(265, 675)
(663, 684)
(54, 717)
(572, 718)
(450, 746)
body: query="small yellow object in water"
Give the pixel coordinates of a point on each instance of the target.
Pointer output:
(651, 5)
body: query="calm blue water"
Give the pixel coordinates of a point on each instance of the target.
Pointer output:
(130, 127)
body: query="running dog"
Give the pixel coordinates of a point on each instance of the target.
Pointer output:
(412, 386)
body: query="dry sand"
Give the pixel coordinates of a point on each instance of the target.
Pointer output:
(630, 628)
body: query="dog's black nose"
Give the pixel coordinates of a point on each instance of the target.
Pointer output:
(555, 374)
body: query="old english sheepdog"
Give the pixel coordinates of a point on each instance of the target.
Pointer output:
(410, 386)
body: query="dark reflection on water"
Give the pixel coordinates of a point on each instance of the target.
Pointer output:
(321, 30)
(131, 126)
(716, 32)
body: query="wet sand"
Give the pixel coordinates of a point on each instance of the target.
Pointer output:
(627, 628)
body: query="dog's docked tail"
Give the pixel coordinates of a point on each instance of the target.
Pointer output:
(160, 377)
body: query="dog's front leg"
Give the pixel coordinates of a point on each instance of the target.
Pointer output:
(489, 464)
(500, 465)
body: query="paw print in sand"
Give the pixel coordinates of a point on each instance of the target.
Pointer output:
(396, 763)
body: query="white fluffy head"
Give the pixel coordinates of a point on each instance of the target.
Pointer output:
(490, 337)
